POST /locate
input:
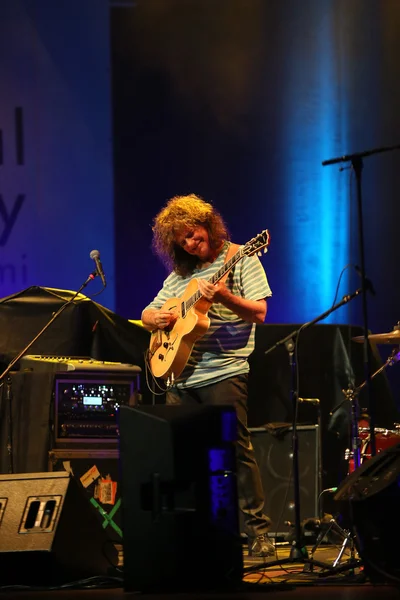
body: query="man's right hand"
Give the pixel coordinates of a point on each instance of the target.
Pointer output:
(164, 319)
(159, 318)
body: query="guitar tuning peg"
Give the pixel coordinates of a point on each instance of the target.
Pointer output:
(259, 253)
(265, 250)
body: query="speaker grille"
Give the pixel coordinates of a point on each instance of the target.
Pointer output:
(275, 460)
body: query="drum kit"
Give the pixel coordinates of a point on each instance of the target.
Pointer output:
(361, 443)
(361, 432)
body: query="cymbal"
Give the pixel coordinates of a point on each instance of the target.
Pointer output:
(393, 337)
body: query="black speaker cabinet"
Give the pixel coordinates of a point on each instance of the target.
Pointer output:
(275, 459)
(48, 532)
(179, 498)
(97, 472)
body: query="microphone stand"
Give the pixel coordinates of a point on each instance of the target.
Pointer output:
(298, 551)
(356, 160)
(5, 374)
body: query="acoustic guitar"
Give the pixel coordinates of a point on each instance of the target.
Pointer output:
(170, 349)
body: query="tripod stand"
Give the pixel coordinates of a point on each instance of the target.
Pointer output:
(298, 551)
(327, 525)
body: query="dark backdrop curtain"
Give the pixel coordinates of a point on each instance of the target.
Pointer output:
(240, 101)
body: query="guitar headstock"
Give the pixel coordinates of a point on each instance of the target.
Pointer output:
(257, 243)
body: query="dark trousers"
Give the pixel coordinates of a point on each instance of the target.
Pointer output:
(233, 391)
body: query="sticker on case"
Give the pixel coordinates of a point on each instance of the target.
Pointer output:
(90, 476)
(67, 467)
(106, 490)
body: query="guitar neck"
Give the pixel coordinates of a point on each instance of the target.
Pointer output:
(226, 267)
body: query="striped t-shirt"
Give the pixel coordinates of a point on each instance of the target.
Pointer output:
(224, 348)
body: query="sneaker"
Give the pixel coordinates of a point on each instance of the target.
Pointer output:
(261, 546)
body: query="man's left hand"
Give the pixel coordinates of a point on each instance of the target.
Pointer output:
(213, 292)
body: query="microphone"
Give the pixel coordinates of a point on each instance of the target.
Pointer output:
(368, 282)
(95, 255)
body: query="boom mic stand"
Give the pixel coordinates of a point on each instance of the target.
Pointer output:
(6, 373)
(356, 161)
(298, 551)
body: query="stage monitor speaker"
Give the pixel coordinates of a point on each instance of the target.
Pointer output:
(275, 459)
(49, 534)
(179, 498)
(373, 491)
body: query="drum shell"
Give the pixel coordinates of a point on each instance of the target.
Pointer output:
(384, 438)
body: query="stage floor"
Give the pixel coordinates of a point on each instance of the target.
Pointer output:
(297, 580)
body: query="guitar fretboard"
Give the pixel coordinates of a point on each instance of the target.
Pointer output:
(216, 277)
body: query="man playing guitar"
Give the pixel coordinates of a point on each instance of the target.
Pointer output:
(191, 238)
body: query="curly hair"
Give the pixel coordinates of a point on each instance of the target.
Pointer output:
(181, 213)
